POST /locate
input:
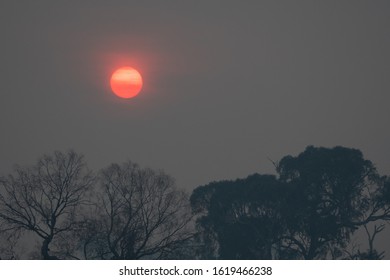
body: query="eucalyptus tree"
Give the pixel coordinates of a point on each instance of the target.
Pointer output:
(338, 191)
(240, 219)
(310, 210)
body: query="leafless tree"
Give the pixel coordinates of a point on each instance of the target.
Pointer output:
(8, 245)
(141, 215)
(46, 198)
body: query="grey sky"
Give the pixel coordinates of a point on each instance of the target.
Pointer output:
(226, 83)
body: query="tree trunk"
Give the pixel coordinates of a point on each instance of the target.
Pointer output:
(45, 249)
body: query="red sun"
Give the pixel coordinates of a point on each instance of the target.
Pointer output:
(126, 82)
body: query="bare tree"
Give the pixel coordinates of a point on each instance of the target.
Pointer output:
(8, 245)
(141, 215)
(46, 198)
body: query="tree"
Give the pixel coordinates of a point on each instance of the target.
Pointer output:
(339, 191)
(371, 253)
(240, 219)
(140, 214)
(46, 198)
(310, 211)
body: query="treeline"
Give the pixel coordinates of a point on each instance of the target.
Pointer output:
(312, 209)
(122, 212)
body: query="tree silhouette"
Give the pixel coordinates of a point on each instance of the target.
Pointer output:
(46, 198)
(139, 214)
(338, 192)
(240, 219)
(310, 211)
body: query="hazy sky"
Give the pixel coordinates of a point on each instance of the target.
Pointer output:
(226, 83)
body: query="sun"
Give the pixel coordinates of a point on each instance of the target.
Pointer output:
(126, 82)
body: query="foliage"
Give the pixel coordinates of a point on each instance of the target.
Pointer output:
(310, 211)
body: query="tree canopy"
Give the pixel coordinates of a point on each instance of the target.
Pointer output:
(312, 208)
(309, 211)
